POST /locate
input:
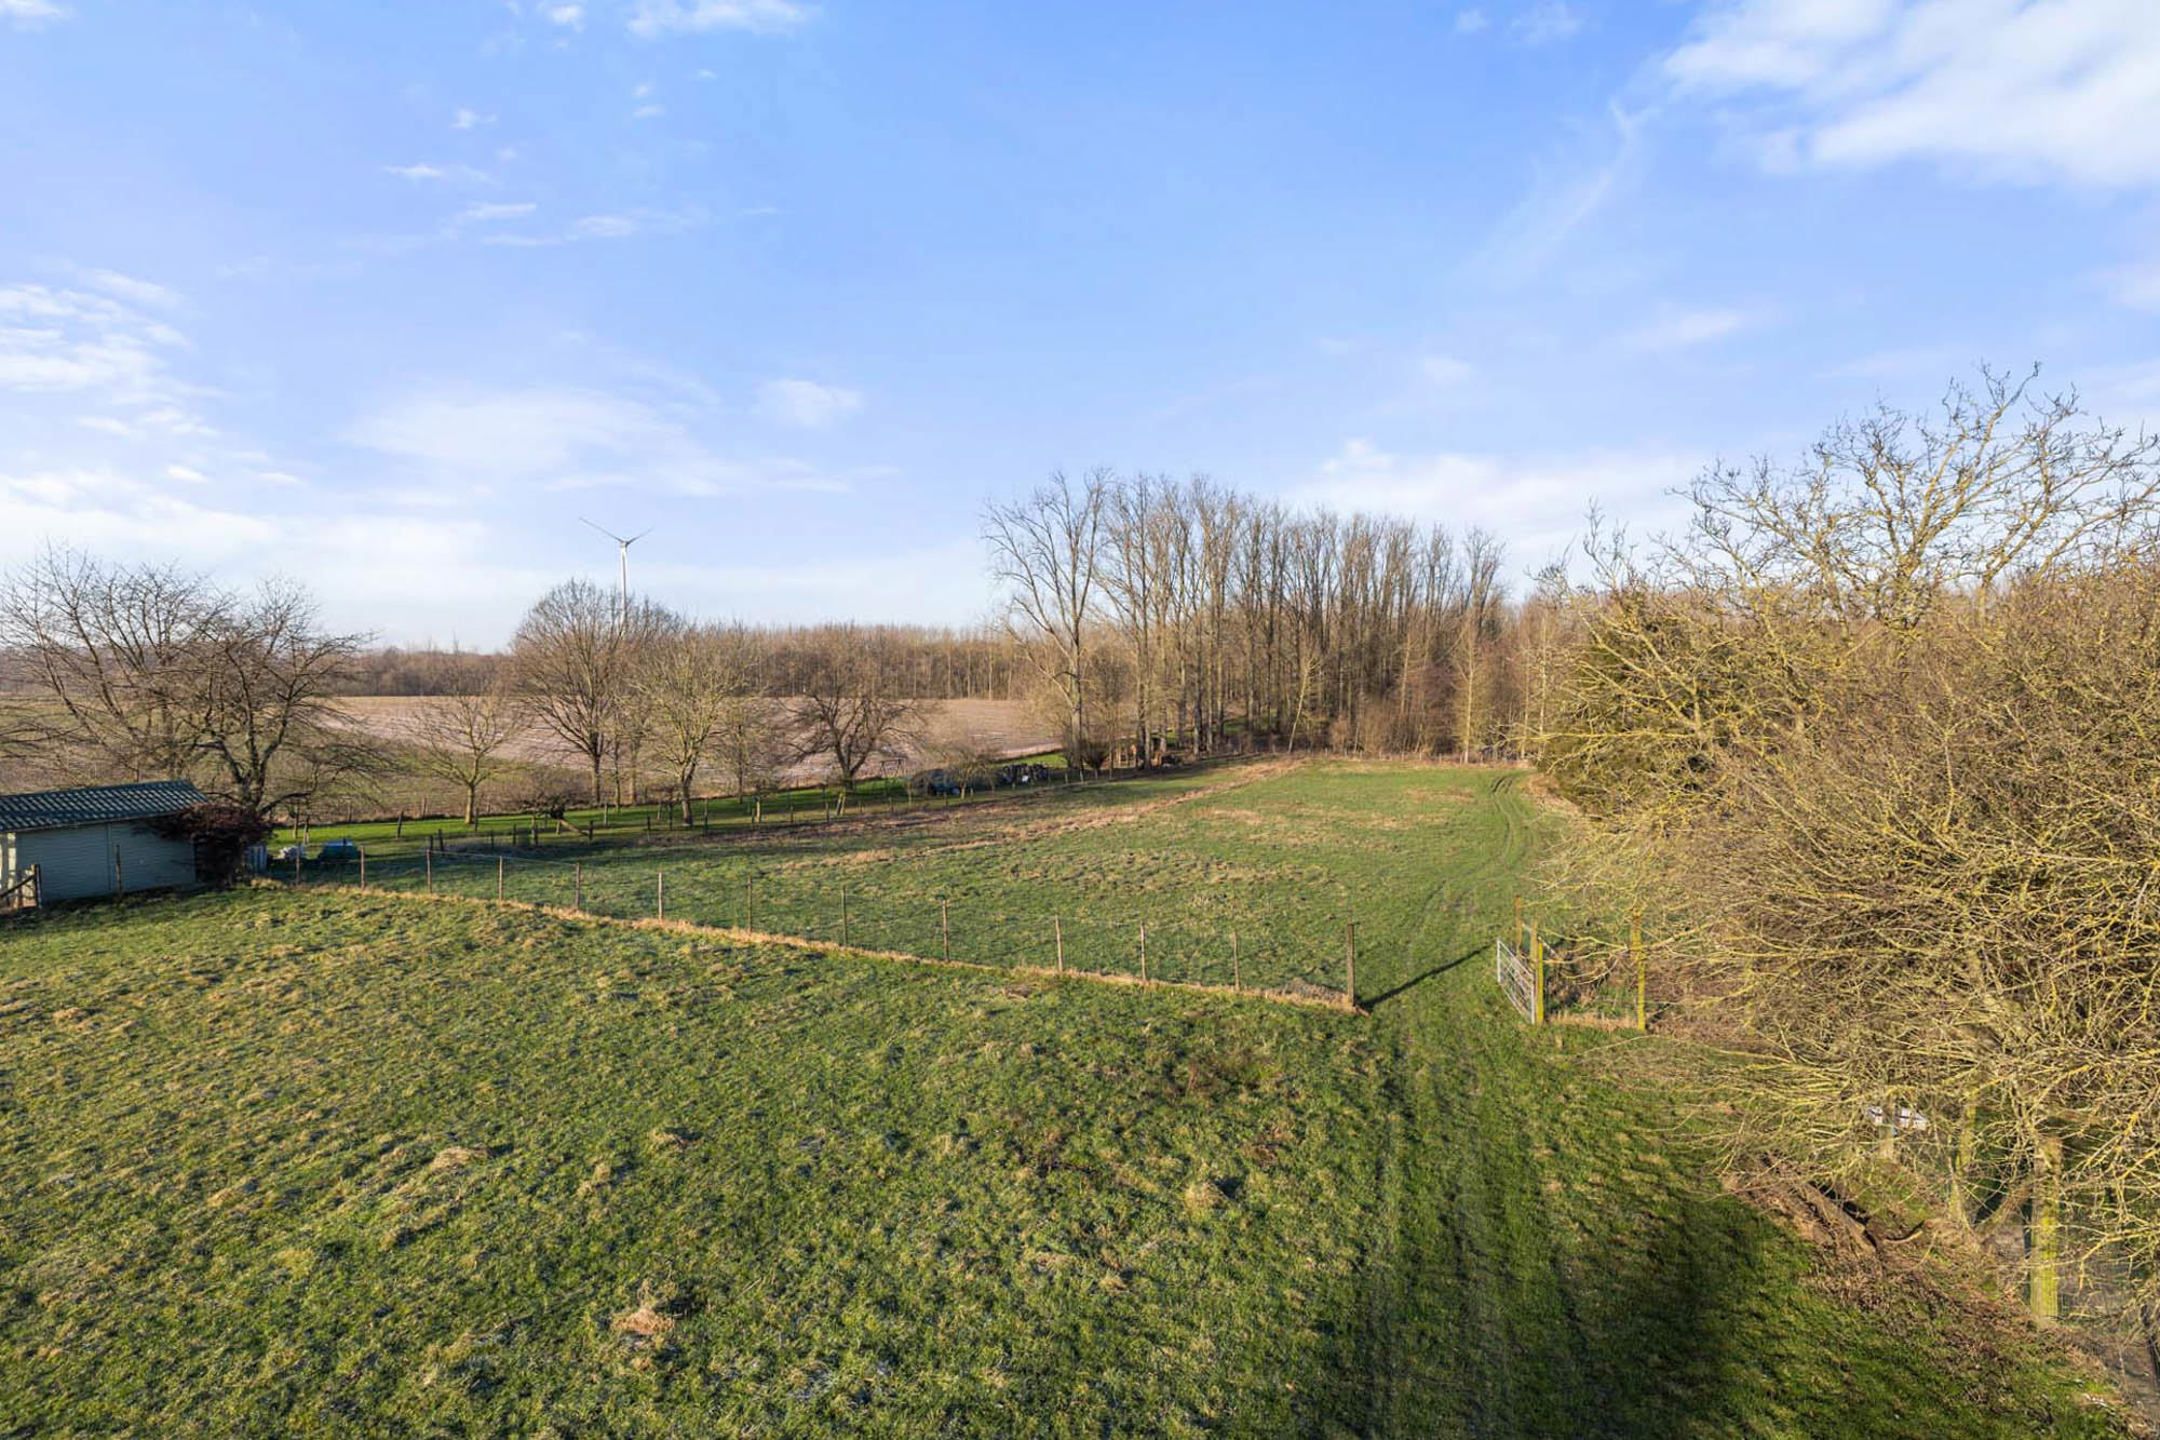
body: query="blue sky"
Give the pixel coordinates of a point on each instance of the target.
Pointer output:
(388, 296)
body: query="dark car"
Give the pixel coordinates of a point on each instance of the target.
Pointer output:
(339, 850)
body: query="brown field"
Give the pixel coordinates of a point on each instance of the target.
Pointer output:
(1000, 728)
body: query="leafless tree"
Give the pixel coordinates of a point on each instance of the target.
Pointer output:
(695, 683)
(462, 737)
(1046, 550)
(847, 714)
(575, 658)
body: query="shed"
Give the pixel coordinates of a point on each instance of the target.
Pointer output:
(95, 840)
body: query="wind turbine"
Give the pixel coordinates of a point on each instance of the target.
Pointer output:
(622, 554)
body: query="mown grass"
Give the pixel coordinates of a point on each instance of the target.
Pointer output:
(285, 1162)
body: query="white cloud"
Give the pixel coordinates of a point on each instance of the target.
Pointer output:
(1535, 503)
(569, 16)
(185, 474)
(29, 14)
(56, 341)
(128, 287)
(428, 172)
(648, 112)
(1561, 200)
(2137, 286)
(1683, 327)
(653, 18)
(467, 118)
(805, 404)
(1471, 22)
(2020, 89)
(1547, 22)
(514, 210)
(1446, 371)
(565, 438)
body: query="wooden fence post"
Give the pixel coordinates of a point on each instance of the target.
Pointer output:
(430, 859)
(746, 907)
(2043, 1243)
(1237, 972)
(1537, 973)
(1057, 935)
(944, 925)
(843, 915)
(1642, 974)
(498, 877)
(1517, 939)
(660, 894)
(363, 867)
(577, 875)
(1143, 952)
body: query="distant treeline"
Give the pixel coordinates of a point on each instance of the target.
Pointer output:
(931, 663)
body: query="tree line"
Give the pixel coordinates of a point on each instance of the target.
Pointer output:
(1875, 743)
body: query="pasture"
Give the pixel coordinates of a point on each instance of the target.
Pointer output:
(361, 1163)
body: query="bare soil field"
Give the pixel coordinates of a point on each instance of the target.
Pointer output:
(999, 728)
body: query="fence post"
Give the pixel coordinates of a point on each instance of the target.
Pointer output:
(428, 855)
(843, 915)
(1642, 981)
(746, 911)
(1143, 952)
(577, 872)
(363, 867)
(660, 894)
(1237, 972)
(498, 877)
(1537, 969)
(2043, 1243)
(1517, 940)
(1350, 968)
(1057, 934)
(944, 925)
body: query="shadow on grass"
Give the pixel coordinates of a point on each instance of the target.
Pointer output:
(1397, 991)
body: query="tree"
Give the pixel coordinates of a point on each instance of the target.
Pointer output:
(693, 683)
(847, 713)
(147, 671)
(462, 736)
(262, 705)
(1046, 551)
(112, 652)
(575, 659)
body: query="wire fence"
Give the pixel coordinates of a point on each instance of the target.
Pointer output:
(820, 906)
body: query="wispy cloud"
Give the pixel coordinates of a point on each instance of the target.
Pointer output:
(427, 172)
(2063, 90)
(1547, 22)
(1681, 327)
(567, 15)
(1563, 196)
(29, 14)
(56, 341)
(604, 225)
(467, 118)
(652, 18)
(1446, 371)
(1535, 503)
(806, 404)
(567, 438)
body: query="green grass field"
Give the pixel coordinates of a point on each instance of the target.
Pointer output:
(314, 1161)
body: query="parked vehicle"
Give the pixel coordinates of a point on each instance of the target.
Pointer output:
(339, 850)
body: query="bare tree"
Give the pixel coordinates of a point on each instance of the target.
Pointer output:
(1046, 551)
(847, 713)
(575, 659)
(112, 654)
(462, 737)
(695, 684)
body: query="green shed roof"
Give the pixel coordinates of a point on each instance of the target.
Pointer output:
(95, 805)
